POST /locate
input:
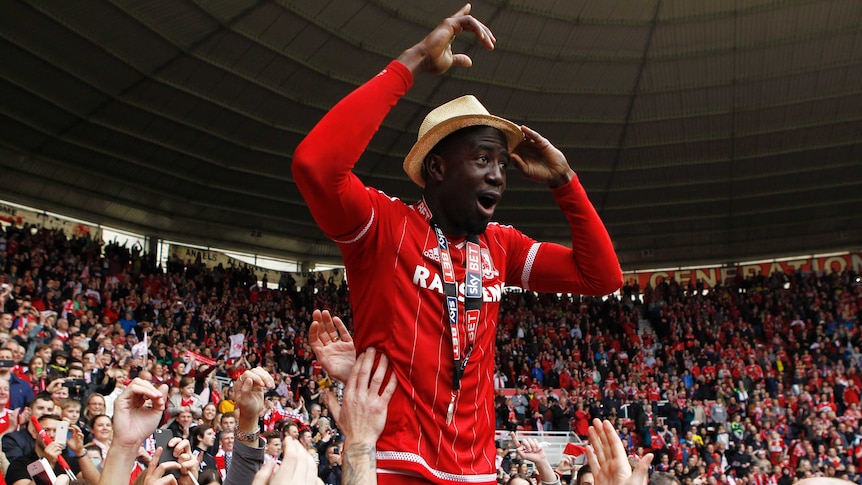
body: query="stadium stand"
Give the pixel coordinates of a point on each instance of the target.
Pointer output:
(749, 381)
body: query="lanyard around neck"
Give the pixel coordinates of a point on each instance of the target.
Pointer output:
(472, 304)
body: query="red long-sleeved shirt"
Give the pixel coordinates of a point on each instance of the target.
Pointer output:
(396, 290)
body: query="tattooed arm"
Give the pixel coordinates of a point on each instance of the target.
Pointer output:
(360, 464)
(361, 417)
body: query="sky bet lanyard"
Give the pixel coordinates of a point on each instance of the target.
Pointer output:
(472, 305)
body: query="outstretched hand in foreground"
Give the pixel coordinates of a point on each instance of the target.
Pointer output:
(530, 449)
(362, 416)
(184, 461)
(332, 344)
(608, 460)
(297, 467)
(137, 413)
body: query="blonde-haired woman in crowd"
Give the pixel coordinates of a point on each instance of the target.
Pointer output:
(325, 432)
(210, 416)
(95, 406)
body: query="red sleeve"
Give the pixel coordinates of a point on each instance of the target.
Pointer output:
(591, 267)
(323, 161)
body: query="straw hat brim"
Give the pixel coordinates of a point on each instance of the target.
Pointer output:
(414, 160)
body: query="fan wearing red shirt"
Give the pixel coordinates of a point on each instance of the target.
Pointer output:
(566, 379)
(709, 371)
(408, 262)
(8, 417)
(754, 371)
(654, 393)
(611, 382)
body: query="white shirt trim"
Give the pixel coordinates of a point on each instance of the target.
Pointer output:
(362, 233)
(528, 266)
(413, 458)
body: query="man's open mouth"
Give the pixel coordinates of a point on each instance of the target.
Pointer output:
(488, 201)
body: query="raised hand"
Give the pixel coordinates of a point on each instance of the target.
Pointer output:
(540, 161)
(189, 464)
(23, 416)
(362, 415)
(248, 394)
(53, 452)
(55, 385)
(434, 53)
(137, 412)
(530, 449)
(184, 461)
(332, 344)
(155, 475)
(13, 422)
(608, 461)
(297, 467)
(76, 441)
(566, 464)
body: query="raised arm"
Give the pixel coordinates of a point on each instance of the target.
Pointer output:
(362, 416)
(76, 446)
(530, 449)
(591, 266)
(248, 453)
(323, 161)
(608, 460)
(137, 413)
(434, 55)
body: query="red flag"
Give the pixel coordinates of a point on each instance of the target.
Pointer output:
(573, 449)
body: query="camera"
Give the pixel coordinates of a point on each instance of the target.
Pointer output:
(77, 387)
(72, 383)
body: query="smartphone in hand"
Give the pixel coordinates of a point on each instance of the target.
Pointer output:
(163, 437)
(62, 432)
(41, 473)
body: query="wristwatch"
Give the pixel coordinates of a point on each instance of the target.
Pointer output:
(247, 437)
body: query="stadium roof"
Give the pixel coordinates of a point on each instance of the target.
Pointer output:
(704, 131)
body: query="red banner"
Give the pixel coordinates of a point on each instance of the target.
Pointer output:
(200, 358)
(710, 276)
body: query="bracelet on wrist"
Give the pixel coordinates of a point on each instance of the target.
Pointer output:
(247, 437)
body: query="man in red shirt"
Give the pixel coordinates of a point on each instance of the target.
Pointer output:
(426, 279)
(754, 371)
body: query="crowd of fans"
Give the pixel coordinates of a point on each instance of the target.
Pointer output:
(752, 381)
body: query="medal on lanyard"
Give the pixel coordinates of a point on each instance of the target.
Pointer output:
(472, 306)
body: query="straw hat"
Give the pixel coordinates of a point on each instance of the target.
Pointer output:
(448, 118)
